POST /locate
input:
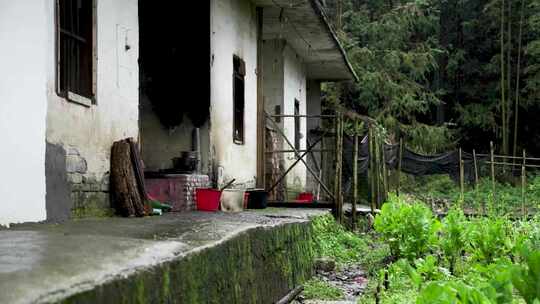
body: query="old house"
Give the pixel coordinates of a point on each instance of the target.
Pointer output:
(194, 75)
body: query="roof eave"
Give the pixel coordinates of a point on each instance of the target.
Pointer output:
(320, 11)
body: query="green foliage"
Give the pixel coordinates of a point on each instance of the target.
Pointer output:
(499, 260)
(508, 201)
(409, 229)
(332, 240)
(454, 236)
(320, 290)
(526, 278)
(489, 239)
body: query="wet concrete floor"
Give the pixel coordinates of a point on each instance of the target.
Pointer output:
(47, 262)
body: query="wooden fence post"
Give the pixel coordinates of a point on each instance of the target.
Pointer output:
(341, 129)
(385, 172)
(492, 158)
(371, 169)
(475, 169)
(355, 175)
(399, 165)
(337, 164)
(461, 179)
(523, 185)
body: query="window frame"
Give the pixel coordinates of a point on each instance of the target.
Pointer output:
(239, 75)
(67, 94)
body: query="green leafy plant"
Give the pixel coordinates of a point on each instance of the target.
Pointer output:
(409, 229)
(454, 236)
(526, 278)
(489, 239)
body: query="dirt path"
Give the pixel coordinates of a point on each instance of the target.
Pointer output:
(351, 280)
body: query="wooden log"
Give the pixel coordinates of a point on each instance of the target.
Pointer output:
(125, 192)
(291, 295)
(138, 167)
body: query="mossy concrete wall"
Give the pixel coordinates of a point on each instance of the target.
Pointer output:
(259, 265)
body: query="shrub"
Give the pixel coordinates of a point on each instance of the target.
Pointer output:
(409, 229)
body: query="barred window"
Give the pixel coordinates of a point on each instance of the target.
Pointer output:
(75, 48)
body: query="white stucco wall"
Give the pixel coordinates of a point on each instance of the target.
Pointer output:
(285, 82)
(93, 130)
(22, 110)
(273, 75)
(313, 107)
(233, 32)
(294, 81)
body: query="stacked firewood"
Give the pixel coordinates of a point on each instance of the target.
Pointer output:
(127, 179)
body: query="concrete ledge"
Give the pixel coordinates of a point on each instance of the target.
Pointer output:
(195, 257)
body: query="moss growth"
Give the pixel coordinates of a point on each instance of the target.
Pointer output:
(258, 266)
(90, 204)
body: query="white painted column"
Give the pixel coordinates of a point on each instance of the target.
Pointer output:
(23, 105)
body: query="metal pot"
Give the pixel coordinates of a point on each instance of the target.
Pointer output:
(187, 162)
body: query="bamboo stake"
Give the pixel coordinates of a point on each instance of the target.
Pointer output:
(385, 173)
(377, 170)
(461, 178)
(399, 165)
(516, 109)
(475, 169)
(342, 124)
(336, 173)
(492, 169)
(355, 175)
(523, 185)
(371, 170)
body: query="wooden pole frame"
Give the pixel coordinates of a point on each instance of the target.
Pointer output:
(399, 165)
(491, 152)
(297, 154)
(461, 178)
(355, 175)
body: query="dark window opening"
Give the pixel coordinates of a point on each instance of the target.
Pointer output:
(238, 98)
(277, 111)
(297, 135)
(75, 45)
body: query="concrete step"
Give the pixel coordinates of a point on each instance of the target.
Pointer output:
(194, 257)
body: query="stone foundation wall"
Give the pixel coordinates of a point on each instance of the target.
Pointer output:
(89, 194)
(260, 265)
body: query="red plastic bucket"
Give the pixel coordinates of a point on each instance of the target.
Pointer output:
(207, 199)
(305, 197)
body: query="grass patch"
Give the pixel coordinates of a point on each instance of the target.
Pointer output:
(334, 241)
(318, 289)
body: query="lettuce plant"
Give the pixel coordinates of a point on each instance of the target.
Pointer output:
(409, 229)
